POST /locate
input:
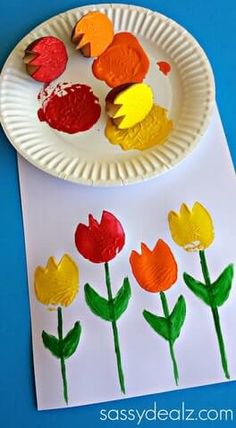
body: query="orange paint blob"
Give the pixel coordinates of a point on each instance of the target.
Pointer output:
(93, 33)
(124, 61)
(151, 131)
(164, 67)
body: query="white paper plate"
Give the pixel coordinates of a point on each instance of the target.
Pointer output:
(188, 93)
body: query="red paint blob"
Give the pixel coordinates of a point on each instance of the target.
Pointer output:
(49, 58)
(164, 67)
(69, 108)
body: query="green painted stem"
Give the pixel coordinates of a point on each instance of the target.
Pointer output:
(62, 359)
(115, 331)
(171, 344)
(215, 315)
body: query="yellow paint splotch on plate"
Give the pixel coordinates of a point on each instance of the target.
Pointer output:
(151, 131)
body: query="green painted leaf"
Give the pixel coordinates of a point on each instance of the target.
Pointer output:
(218, 292)
(169, 328)
(71, 340)
(109, 311)
(98, 304)
(220, 289)
(52, 343)
(197, 287)
(121, 301)
(159, 324)
(177, 318)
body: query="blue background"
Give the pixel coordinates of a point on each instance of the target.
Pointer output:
(212, 22)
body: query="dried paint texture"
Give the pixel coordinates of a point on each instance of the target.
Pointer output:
(164, 67)
(155, 270)
(130, 105)
(100, 242)
(151, 131)
(93, 33)
(70, 108)
(57, 283)
(124, 61)
(192, 228)
(46, 59)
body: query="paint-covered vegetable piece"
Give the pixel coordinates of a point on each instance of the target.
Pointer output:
(128, 104)
(93, 33)
(69, 108)
(46, 59)
(124, 61)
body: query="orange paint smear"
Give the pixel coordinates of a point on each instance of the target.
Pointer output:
(124, 61)
(164, 67)
(151, 131)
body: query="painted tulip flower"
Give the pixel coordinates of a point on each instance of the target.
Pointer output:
(57, 284)
(155, 270)
(192, 228)
(100, 242)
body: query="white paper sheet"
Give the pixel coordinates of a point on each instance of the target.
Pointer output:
(52, 208)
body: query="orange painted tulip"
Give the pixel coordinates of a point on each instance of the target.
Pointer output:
(155, 270)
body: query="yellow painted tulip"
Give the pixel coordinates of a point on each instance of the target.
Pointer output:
(57, 283)
(192, 228)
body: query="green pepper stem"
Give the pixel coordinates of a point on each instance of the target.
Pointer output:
(115, 330)
(215, 314)
(171, 343)
(62, 359)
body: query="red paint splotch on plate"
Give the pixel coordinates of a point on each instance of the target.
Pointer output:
(69, 107)
(164, 67)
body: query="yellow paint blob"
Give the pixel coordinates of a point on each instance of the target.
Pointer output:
(192, 228)
(134, 103)
(153, 130)
(57, 284)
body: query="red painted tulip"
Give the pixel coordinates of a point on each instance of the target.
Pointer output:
(100, 242)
